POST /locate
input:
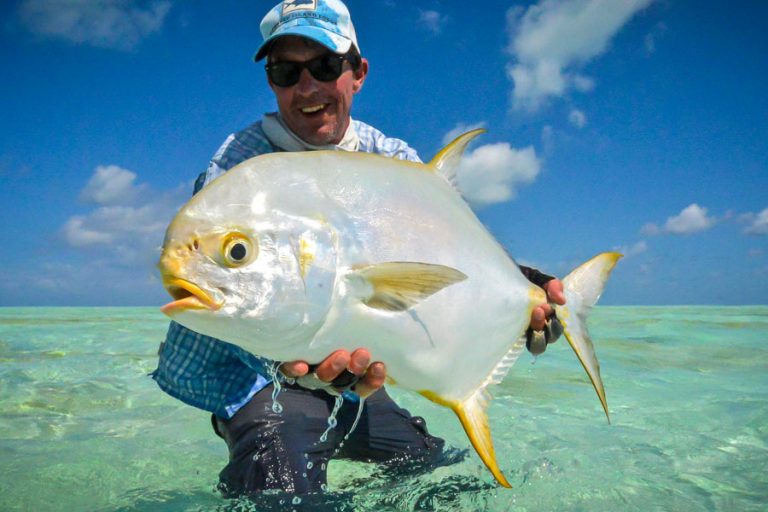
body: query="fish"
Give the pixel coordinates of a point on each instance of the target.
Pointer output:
(292, 256)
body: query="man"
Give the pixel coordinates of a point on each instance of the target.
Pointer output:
(314, 68)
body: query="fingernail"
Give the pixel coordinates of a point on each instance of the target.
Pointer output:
(338, 365)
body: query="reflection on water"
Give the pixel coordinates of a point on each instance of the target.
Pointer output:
(82, 427)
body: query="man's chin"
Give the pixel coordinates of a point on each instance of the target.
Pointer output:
(321, 137)
(319, 131)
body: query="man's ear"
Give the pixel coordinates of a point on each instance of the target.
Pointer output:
(360, 75)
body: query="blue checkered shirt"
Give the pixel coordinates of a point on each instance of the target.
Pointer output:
(211, 374)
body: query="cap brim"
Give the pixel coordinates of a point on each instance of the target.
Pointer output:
(334, 42)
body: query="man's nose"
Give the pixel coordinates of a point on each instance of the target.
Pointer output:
(307, 83)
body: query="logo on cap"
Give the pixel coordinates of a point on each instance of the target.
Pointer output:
(298, 5)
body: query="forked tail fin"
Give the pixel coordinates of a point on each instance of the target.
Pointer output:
(582, 289)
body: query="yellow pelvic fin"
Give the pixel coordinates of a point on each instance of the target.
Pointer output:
(474, 419)
(446, 162)
(398, 286)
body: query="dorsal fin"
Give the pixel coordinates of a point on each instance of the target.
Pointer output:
(446, 162)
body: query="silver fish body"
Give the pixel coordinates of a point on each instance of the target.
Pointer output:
(294, 255)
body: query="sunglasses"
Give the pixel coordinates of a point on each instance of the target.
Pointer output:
(325, 68)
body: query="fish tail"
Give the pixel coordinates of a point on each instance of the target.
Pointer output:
(583, 288)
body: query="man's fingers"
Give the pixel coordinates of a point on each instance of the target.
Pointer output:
(372, 381)
(294, 369)
(359, 361)
(538, 318)
(372, 376)
(554, 289)
(333, 365)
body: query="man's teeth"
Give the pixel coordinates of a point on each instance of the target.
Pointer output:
(310, 110)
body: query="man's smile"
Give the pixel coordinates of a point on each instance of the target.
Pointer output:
(314, 108)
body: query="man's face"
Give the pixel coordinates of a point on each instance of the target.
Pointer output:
(316, 111)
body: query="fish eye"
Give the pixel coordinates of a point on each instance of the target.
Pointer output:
(237, 250)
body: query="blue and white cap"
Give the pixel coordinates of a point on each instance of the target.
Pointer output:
(324, 21)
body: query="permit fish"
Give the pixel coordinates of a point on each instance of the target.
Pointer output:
(294, 255)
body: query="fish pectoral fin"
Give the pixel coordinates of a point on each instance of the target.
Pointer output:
(398, 286)
(473, 418)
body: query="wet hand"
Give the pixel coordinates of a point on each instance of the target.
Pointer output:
(540, 313)
(342, 367)
(545, 328)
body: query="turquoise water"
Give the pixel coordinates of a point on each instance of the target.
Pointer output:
(83, 428)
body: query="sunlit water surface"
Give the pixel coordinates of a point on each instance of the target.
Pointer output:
(82, 427)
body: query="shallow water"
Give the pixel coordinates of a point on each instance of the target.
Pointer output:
(82, 427)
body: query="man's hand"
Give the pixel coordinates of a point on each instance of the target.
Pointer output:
(554, 289)
(371, 376)
(537, 338)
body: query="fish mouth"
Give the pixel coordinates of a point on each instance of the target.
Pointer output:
(187, 295)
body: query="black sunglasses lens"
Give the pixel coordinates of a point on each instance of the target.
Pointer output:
(324, 68)
(284, 74)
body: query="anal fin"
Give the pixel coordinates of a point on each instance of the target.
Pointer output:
(473, 417)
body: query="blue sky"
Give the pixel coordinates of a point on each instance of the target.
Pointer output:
(640, 126)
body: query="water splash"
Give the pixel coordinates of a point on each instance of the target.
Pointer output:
(332, 422)
(276, 377)
(357, 418)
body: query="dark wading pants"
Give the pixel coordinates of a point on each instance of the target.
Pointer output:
(283, 451)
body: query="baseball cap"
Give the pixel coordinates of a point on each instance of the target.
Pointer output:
(324, 21)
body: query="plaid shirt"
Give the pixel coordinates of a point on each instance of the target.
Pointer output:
(211, 374)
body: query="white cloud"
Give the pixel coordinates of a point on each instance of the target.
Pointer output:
(547, 139)
(460, 129)
(577, 118)
(758, 224)
(116, 24)
(491, 173)
(650, 43)
(552, 40)
(653, 36)
(79, 233)
(432, 21)
(632, 250)
(129, 231)
(650, 229)
(691, 220)
(109, 224)
(110, 184)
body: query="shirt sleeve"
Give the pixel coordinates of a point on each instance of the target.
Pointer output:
(206, 373)
(536, 277)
